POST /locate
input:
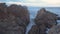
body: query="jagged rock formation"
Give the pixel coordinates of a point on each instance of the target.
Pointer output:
(13, 19)
(43, 20)
(54, 30)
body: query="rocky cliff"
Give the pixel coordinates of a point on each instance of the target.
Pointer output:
(13, 19)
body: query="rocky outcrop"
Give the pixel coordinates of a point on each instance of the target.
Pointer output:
(21, 12)
(38, 29)
(54, 30)
(43, 20)
(45, 17)
(13, 19)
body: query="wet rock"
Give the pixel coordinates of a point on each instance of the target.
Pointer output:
(54, 30)
(13, 19)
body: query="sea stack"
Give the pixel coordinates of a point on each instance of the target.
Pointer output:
(44, 19)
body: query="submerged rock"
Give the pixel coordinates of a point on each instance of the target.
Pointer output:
(43, 20)
(13, 19)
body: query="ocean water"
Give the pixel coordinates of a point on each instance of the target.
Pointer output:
(33, 12)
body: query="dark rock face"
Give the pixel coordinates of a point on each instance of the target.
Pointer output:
(43, 20)
(13, 19)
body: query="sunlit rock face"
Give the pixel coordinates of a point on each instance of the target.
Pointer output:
(13, 19)
(43, 20)
(54, 30)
